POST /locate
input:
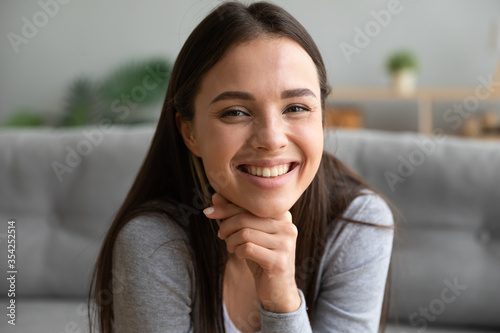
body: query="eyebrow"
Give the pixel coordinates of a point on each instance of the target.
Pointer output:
(233, 95)
(228, 95)
(297, 93)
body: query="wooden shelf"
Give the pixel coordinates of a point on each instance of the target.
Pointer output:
(388, 94)
(424, 96)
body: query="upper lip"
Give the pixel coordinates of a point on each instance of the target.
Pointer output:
(267, 162)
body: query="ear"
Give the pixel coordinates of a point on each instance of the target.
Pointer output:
(187, 132)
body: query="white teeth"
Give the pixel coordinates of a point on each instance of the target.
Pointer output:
(268, 172)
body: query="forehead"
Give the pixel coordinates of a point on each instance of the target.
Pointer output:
(263, 65)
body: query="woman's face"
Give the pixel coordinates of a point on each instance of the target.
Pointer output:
(258, 125)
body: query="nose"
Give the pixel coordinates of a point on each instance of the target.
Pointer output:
(269, 133)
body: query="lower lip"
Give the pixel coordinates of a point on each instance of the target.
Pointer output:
(271, 182)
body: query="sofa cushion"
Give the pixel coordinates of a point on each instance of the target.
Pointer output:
(70, 315)
(63, 186)
(448, 191)
(54, 315)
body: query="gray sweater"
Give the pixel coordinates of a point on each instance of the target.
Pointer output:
(153, 282)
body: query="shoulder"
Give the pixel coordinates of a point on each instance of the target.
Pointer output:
(153, 228)
(369, 207)
(352, 244)
(151, 235)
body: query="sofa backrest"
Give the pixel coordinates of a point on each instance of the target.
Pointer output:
(446, 258)
(63, 187)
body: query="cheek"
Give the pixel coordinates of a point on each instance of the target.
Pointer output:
(216, 170)
(319, 146)
(310, 140)
(217, 149)
(314, 155)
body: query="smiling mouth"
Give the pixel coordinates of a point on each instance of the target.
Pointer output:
(267, 172)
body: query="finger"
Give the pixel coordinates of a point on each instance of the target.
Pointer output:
(249, 221)
(257, 237)
(219, 199)
(222, 208)
(267, 259)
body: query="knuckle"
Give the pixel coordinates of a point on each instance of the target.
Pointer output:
(290, 229)
(280, 266)
(245, 234)
(247, 249)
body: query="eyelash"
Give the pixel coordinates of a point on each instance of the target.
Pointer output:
(297, 107)
(231, 113)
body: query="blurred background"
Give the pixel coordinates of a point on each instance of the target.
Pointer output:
(400, 70)
(53, 58)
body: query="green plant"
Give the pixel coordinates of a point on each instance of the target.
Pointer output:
(121, 97)
(402, 60)
(80, 103)
(25, 118)
(125, 93)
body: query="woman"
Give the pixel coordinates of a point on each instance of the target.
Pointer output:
(238, 220)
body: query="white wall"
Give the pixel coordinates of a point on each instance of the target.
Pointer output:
(452, 38)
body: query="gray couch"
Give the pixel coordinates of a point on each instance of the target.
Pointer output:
(62, 188)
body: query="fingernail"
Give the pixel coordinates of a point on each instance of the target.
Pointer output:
(208, 210)
(218, 233)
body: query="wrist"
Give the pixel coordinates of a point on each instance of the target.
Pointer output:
(288, 304)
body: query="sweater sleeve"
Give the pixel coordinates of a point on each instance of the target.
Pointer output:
(292, 322)
(354, 272)
(152, 278)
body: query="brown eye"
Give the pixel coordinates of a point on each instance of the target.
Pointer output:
(233, 113)
(296, 108)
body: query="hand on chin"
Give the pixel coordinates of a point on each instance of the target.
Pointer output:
(267, 244)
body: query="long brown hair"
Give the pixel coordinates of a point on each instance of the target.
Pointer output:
(171, 174)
